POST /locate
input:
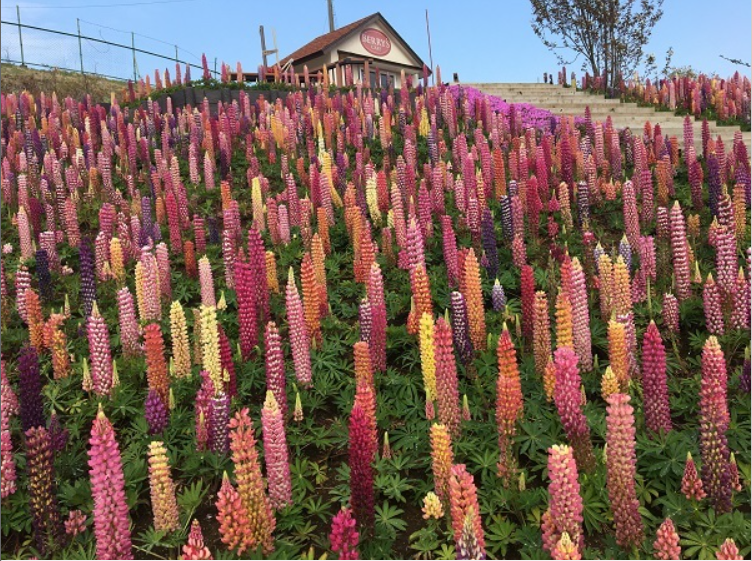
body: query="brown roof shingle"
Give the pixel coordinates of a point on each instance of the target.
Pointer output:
(323, 41)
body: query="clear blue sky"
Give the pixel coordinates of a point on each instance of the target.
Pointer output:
(482, 40)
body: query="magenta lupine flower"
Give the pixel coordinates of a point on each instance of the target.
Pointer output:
(655, 389)
(449, 241)
(99, 353)
(377, 302)
(680, 253)
(711, 301)
(361, 456)
(670, 312)
(621, 464)
(666, 544)
(564, 512)
(203, 411)
(247, 317)
(568, 400)
(257, 260)
(129, 332)
(275, 366)
(714, 421)
(111, 521)
(344, 535)
(298, 332)
(275, 453)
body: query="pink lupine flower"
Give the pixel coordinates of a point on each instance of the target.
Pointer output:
(666, 545)
(711, 300)
(111, 521)
(446, 377)
(656, 405)
(671, 312)
(275, 453)
(76, 523)
(680, 252)
(207, 282)
(714, 421)
(569, 403)
(361, 457)
(275, 366)
(298, 332)
(564, 513)
(99, 353)
(129, 331)
(621, 463)
(344, 535)
(691, 485)
(195, 549)
(728, 551)
(463, 500)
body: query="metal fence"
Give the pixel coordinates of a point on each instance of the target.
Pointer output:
(92, 49)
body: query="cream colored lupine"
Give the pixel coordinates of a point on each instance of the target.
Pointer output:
(257, 204)
(372, 200)
(427, 356)
(210, 345)
(181, 349)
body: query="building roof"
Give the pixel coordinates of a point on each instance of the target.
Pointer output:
(323, 42)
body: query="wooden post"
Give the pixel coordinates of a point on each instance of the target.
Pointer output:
(338, 79)
(367, 73)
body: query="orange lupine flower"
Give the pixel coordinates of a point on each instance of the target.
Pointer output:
(541, 332)
(474, 298)
(156, 366)
(272, 282)
(617, 353)
(34, 319)
(311, 299)
(621, 294)
(564, 333)
(421, 295)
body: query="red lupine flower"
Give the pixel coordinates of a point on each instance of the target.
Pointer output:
(361, 471)
(656, 405)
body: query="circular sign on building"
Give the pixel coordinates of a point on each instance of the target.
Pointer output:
(375, 42)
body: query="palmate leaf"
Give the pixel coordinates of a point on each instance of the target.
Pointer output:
(499, 534)
(389, 520)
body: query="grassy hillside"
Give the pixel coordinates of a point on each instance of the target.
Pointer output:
(14, 79)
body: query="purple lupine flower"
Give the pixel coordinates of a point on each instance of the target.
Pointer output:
(157, 415)
(583, 202)
(461, 327)
(744, 376)
(43, 274)
(58, 433)
(219, 442)
(625, 250)
(506, 217)
(88, 282)
(30, 389)
(498, 298)
(488, 236)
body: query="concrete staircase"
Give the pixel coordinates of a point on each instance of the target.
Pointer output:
(566, 101)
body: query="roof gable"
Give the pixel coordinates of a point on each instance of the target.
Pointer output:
(330, 40)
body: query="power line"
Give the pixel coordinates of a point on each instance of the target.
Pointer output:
(119, 5)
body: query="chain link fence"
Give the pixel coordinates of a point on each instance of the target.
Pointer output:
(93, 49)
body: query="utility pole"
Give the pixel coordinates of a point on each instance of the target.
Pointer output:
(264, 51)
(430, 53)
(330, 6)
(20, 35)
